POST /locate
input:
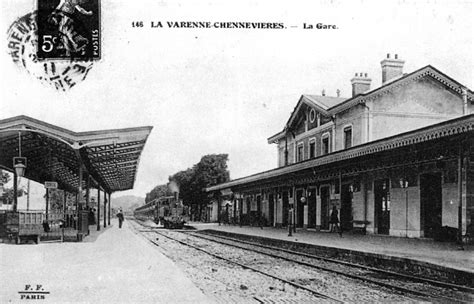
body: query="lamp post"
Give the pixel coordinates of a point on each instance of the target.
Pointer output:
(305, 213)
(1, 182)
(404, 185)
(19, 164)
(290, 229)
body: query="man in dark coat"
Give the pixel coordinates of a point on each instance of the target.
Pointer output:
(120, 217)
(334, 221)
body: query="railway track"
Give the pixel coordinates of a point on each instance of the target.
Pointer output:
(277, 289)
(296, 285)
(326, 286)
(404, 285)
(422, 287)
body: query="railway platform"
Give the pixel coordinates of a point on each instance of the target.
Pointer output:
(110, 266)
(444, 255)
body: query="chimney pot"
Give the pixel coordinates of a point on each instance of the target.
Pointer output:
(338, 92)
(356, 74)
(323, 93)
(360, 84)
(391, 68)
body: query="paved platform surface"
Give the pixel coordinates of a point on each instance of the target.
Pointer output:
(111, 266)
(425, 250)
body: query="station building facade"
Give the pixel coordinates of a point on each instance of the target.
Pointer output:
(394, 160)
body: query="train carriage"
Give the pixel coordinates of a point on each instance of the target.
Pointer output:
(168, 211)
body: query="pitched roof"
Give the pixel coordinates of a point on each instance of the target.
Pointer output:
(322, 103)
(333, 105)
(325, 101)
(401, 81)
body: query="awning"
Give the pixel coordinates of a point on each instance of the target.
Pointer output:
(447, 129)
(111, 157)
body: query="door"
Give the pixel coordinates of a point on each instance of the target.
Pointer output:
(259, 205)
(382, 206)
(248, 206)
(285, 201)
(299, 209)
(271, 204)
(312, 208)
(324, 208)
(241, 208)
(346, 208)
(431, 206)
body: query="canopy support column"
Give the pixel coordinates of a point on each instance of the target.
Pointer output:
(64, 204)
(460, 184)
(88, 186)
(98, 208)
(110, 203)
(105, 209)
(15, 191)
(79, 189)
(47, 203)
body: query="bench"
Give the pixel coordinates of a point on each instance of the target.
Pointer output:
(359, 226)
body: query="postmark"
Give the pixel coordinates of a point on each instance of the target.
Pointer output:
(22, 44)
(69, 29)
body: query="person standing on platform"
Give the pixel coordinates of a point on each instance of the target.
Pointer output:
(335, 221)
(120, 217)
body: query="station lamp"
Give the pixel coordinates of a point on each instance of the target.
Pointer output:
(19, 163)
(403, 183)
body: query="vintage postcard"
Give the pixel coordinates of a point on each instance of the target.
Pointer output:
(211, 151)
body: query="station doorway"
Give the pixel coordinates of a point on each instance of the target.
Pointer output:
(431, 203)
(346, 208)
(271, 206)
(259, 205)
(382, 206)
(312, 208)
(324, 207)
(299, 209)
(285, 208)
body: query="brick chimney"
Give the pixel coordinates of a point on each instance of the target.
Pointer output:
(360, 84)
(391, 68)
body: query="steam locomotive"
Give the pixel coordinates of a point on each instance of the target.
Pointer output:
(168, 211)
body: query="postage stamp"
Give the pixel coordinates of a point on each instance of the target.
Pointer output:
(22, 43)
(69, 29)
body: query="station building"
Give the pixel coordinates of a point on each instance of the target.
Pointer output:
(395, 159)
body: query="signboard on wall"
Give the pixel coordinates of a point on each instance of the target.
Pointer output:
(51, 185)
(335, 202)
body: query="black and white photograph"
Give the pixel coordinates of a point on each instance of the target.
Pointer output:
(212, 151)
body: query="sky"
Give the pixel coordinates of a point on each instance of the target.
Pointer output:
(209, 91)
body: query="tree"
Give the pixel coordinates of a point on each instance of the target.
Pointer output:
(183, 179)
(211, 170)
(8, 195)
(5, 177)
(158, 191)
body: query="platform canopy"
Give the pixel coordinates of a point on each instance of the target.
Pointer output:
(109, 157)
(411, 146)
